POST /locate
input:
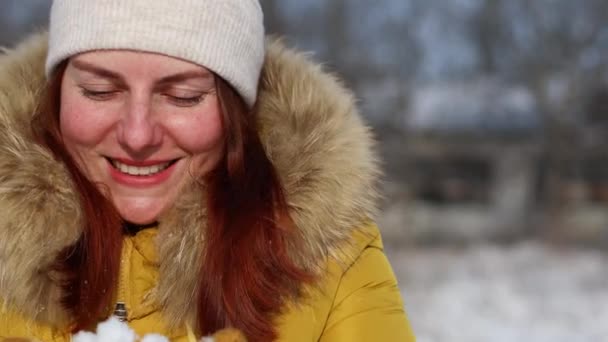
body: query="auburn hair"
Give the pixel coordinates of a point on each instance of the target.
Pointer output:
(246, 274)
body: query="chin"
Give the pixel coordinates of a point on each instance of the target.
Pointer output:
(143, 209)
(140, 219)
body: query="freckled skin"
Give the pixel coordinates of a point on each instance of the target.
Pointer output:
(133, 110)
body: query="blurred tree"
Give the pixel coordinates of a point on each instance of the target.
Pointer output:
(273, 18)
(19, 17)
(489, 35)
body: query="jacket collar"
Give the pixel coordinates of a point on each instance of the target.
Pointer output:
(311, 131)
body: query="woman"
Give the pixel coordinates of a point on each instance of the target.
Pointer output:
(176, 171)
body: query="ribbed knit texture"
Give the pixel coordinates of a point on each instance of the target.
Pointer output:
(225, 36)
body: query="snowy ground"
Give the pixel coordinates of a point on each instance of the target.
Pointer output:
(524, 292)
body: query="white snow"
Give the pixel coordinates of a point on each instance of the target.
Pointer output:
(154, 338)
(114, 330)
(526, 292)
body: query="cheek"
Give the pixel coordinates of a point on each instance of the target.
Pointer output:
(80, 124)
(200, 132)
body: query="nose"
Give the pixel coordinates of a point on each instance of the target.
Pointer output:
(138, 132)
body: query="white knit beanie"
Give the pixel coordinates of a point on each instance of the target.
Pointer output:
(225, 36)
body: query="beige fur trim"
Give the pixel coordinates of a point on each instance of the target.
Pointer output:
(39, 211)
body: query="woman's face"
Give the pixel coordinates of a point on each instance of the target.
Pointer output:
(140, 125)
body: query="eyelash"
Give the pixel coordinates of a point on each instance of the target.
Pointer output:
(175, 100)
(186, 101)
(97, 95)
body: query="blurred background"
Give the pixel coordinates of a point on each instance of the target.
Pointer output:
(492, 121)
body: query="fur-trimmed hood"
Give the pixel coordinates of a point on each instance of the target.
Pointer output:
(311, 131)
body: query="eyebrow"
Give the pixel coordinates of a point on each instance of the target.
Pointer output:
(182, 76)
(88, 67)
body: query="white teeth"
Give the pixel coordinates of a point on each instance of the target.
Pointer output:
(139, 170)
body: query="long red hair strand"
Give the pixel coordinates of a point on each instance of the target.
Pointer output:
(90, 267)
(247, 274)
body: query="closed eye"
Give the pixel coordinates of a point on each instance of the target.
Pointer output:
(186, 101)
(97, 95)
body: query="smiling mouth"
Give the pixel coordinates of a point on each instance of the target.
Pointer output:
(149, 170)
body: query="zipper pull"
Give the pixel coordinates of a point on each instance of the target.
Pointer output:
(121, 311)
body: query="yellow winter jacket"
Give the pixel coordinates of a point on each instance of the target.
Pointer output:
(360, 304)
(322, 151)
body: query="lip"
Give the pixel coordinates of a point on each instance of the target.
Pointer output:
(141, 181)
(142, 163)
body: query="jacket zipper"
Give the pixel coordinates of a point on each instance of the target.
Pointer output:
(120, 309)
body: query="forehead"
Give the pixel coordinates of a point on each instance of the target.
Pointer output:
(139, 64)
